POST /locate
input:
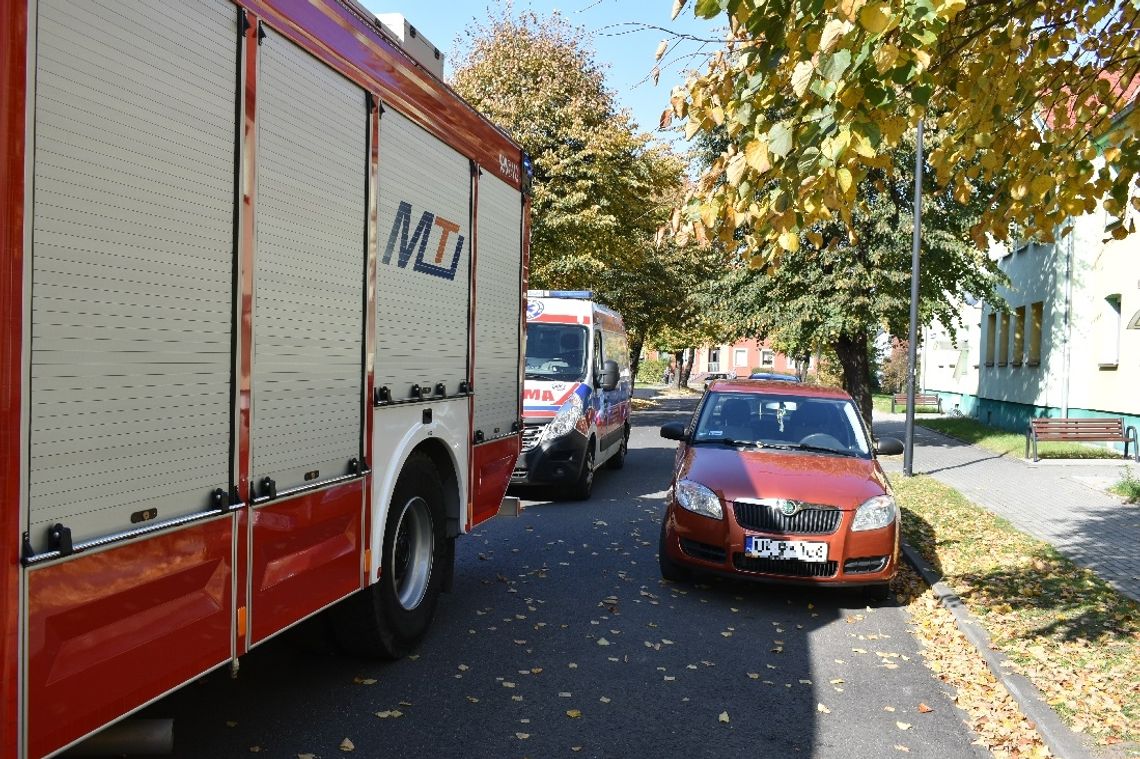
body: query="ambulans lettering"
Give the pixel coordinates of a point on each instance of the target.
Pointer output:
(535, 394)
(424, 230)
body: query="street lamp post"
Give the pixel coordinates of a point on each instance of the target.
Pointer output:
(912, 340)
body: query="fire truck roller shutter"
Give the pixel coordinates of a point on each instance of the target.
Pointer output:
(308, 315)
(497, 305)
(132, 256)
(424, 256)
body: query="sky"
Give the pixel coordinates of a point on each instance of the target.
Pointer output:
(620, 33)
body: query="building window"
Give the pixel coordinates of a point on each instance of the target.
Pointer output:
(767, 358)
(714, 360)
(740, 357)
(1003, 340)
(991, 338)
(1019, 329)
(1036, 314)
(1110, 333)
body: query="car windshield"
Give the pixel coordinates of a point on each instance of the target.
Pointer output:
(827, 425)
(556, 352)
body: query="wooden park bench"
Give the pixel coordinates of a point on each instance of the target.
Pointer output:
(1103, 429)
(920, 399)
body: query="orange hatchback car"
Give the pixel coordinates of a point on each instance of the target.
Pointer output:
(779, 481)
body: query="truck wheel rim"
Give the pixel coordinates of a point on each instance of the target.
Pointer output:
(412, 553)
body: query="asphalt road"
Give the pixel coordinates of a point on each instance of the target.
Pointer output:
(560, 639)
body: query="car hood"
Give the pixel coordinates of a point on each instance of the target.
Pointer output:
(839, 481)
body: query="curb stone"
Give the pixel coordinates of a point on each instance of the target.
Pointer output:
(1061, 740)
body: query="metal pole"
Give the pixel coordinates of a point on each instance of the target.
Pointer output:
(912, 341)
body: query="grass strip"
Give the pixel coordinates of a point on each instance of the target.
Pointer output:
(1074, 636)
(1011, 443)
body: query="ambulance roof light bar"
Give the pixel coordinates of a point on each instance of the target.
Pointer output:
(579, 294)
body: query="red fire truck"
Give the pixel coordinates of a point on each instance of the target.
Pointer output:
(261, 299)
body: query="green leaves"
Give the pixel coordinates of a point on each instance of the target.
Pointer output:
(780, 140)
(1024, 75)
(708, 8)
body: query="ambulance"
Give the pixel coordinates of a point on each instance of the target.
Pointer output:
(576, 393)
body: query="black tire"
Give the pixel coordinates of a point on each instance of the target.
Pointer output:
(584, 486)
(617, 461)
(388, 618)
(670, 570)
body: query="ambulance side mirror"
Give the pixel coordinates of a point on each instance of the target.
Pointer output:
(610, 375)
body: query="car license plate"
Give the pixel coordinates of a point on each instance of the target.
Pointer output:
(770, 548)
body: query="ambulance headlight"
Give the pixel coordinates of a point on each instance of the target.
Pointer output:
(566, 418)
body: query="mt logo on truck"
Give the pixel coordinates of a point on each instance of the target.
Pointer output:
(424, 230)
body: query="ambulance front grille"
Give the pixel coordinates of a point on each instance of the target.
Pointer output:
(531, 434)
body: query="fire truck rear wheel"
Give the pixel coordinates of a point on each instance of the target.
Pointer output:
(388, 618)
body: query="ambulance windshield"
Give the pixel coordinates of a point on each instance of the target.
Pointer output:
(556, 352)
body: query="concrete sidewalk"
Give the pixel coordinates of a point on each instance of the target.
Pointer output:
(1058, 503)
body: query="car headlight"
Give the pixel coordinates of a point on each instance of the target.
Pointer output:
(875, 513)
(698, 499)
(566, 418)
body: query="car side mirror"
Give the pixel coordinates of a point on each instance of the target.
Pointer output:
(673, 431)
(610, 375)
(888, 446)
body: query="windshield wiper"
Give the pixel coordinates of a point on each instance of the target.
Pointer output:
(823, 449)
(544, 377)
(730, 441)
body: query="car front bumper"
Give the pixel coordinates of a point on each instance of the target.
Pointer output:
(718, 545)
(551, 462)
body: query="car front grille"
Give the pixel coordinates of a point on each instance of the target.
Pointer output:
(785, 567)
(531, 434)
(703, 550)
(811, 519)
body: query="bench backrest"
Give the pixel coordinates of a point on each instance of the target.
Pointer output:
(1079, 429)
(920, 399)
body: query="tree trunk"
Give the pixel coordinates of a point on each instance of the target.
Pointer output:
(691, 354)
(678, 366)
(856, 368)
(636, 341)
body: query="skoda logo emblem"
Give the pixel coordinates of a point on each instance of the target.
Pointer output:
(789, 508)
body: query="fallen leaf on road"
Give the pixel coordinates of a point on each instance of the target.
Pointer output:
(364, 680)
(904, 749)
(754, 675)
(822, 709)
(472, 699)
(888, 708)
(573, 713)
(604, 700)
(723, 717)
(393, 713)
(603, 642)
(903, 725)
(522, 736)
(347, 745)
(924, 709)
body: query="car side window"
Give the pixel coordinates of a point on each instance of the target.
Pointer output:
(598, 354)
